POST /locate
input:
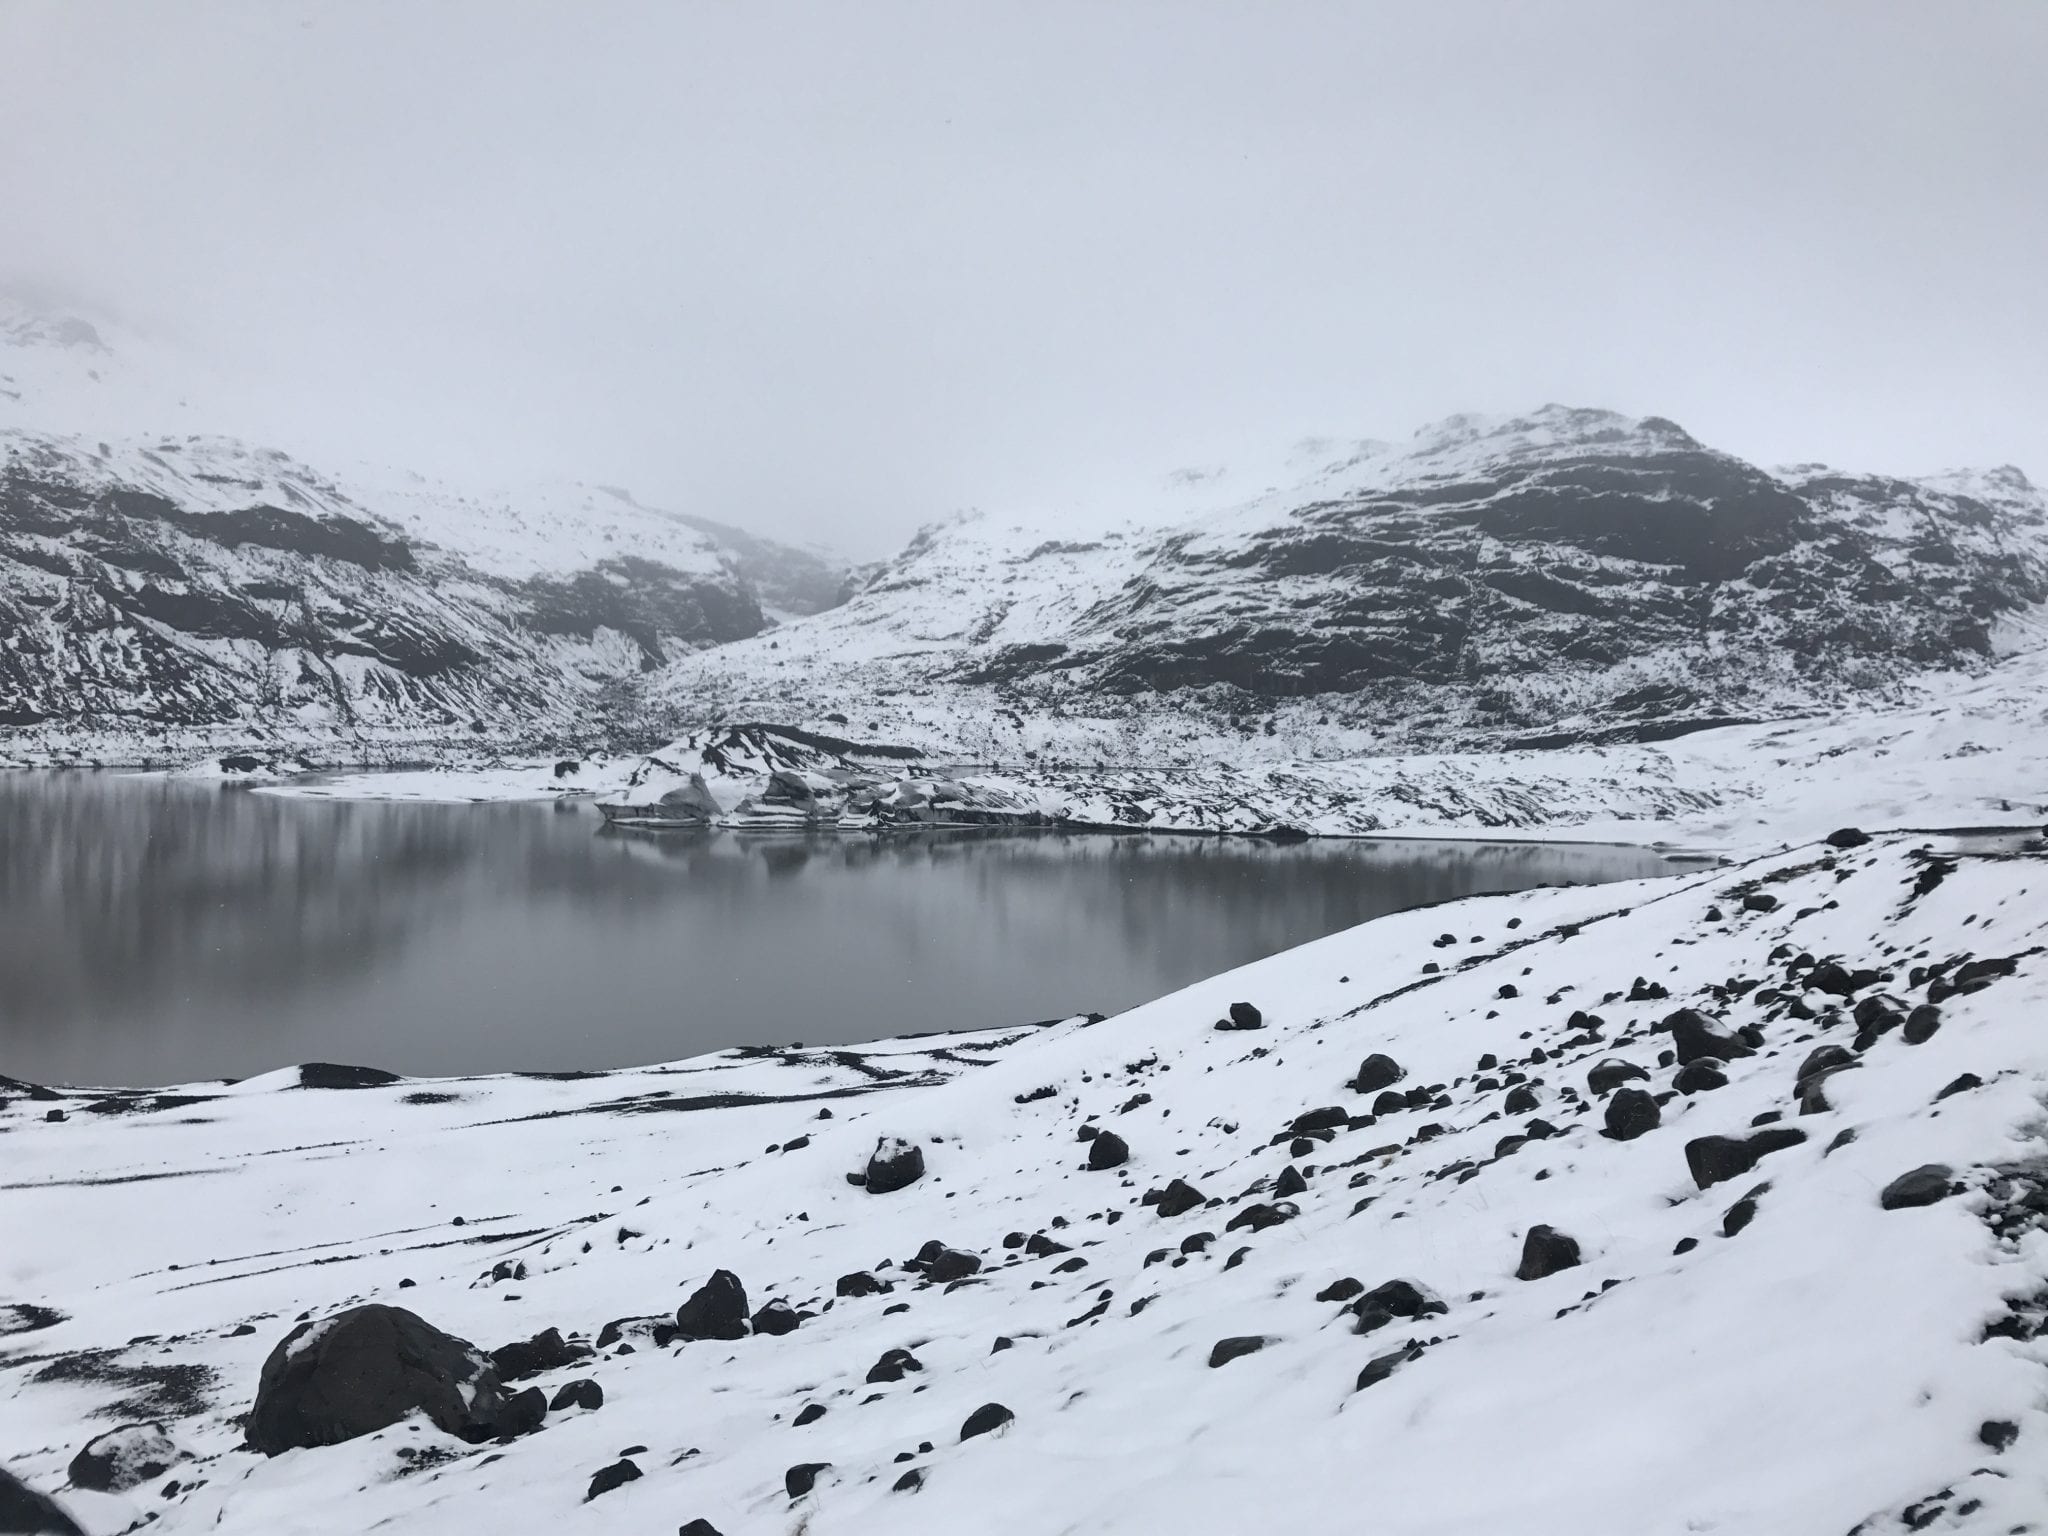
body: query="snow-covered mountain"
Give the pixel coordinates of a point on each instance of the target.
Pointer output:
(1569, 574)
(159, 590)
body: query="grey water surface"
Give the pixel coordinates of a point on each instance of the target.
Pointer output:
(157, 931)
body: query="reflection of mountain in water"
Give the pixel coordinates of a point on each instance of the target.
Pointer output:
(156, 930)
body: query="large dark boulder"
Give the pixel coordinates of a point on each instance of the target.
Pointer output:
(1545, 1251)
(122, 1458)
(1376, 1072)
(364, 1369)
(989, 1416)
(717, 1309)
(1715, 1158)
(1610, 1074)
(1107, 1150)
(1391, 1299)
(894, 1165)
(1694, 1037)
(779, 1317)
(1178, 1198)
(1226, 1350)
(24, 1512)
(1632, 1113)
(1923, 1186)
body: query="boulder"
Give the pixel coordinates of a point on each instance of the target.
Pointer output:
(121, 1458)
(717, 1309)
(892, 1366)
(1847, 837)
(1380, 1367)
(1715, 1158)
(362, 1370)
(859, 1283)
(580, 1393)
(621, 1472)
(1377, 1072)
(1632, 1113)
(1610, 1074)
(1701, 1076)
(1107, 1150)
(1178, 1198)
(545, 1351)
(803, 1477)
(1545, 1251)
(1925, 1185)
(1695, 1037)
(1391, 1299)
(989, 1416)
(24, 1512)
(779, 1317)
(1245, 1016)
(1226, 1350)
(895, 1164)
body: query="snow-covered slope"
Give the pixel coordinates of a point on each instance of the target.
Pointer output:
(1568, 575)
(1623, 1296)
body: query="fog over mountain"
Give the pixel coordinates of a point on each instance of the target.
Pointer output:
(830, 273)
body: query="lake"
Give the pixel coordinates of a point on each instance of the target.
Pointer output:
(156, 931)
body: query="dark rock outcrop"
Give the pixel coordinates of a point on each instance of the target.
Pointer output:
(1545, 1251)
(894, 1164)
(717, 1309)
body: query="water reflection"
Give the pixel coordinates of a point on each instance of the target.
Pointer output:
(154, 931)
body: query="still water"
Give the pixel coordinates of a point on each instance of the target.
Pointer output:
(153, 931)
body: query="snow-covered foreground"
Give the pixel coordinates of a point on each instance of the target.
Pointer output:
(1828, 1362)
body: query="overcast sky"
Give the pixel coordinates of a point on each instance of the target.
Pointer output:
(834, 270)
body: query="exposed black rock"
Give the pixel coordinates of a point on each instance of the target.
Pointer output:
(121, 1458)
(1847, 837)
(545, 1351)
(1963, 1084)
(1759, 901)
(580, 1393)
(1179, 1198)
(859, 1283)
(366, 1368)
(1924, 1185)
(1107, 1150)
(1545, 1251)
(25, 1512)
(1694, 1037)
(1226, 1350)
(893, 1365)
(1610, 1074)
(803, 1477)
(989, 1416)
(1715, 1158)
(1380, 1367)
(1998, 1434)
(1377, 1071)
(1245, 1016)
(717, 1309)
(1258, 1216)
(1631, 1113)
(1921, 1024)
(1701, 1076)
(1290, 1182)
(621, 1472)
(1391, 1299)
(779, 1317)
(894, 1165)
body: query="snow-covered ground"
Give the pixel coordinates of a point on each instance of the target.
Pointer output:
(1830, 1362)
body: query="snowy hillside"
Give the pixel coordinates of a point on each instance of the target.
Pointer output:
(1571, 575)
(1711, 1203)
